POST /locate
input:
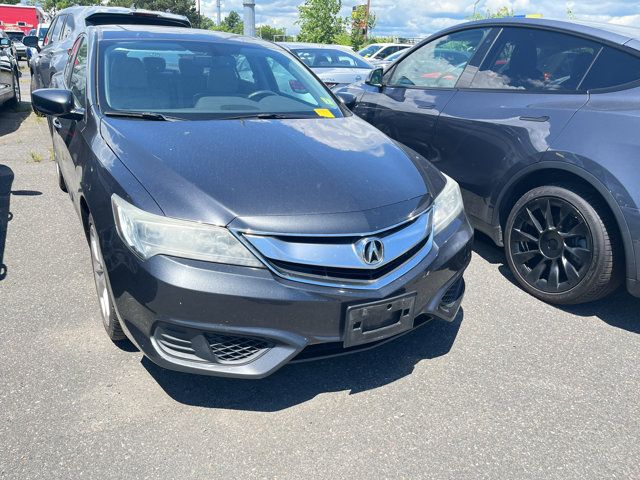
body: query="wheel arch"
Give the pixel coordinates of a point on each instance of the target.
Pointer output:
(546, 173)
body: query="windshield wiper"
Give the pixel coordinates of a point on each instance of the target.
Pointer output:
(144, 116)
(263, 116)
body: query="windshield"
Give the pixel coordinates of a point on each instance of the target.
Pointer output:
(370, 50)
(329, 58)
(43, 31)
(15, 36)
(201, 80)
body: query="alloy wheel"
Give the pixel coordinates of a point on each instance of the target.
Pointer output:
(99, 276)
(551, 245)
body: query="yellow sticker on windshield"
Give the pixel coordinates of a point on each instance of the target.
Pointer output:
(323, 112)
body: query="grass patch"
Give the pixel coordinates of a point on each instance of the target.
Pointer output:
(52, 154)
(35, 156)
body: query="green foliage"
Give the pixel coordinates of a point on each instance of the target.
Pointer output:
(503, 11)
(342, 38)
(359, 23)
(267, 32)
(320, 21)
(56, 5)
(179, 7)
(11, 2)
(232, 23)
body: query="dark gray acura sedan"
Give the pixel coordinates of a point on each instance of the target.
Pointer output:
(239, 217)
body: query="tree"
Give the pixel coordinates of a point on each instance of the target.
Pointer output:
(53, 6)
(267, 32)
(503, 11)
(320, 21)
(361, 25)
(11, 2)
(179, 7)
(232, 23)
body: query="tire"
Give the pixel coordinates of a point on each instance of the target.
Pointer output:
(107, 311)
(61, 182)
(15, 101)
(562, 245)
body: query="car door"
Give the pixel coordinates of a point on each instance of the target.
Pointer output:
(417, 88)
(69, 144)
(508, 111)
(50, 51)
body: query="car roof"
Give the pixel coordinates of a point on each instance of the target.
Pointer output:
(145, 32)
(613, 33)
(315, 45)
(85, 12)
(387, 45)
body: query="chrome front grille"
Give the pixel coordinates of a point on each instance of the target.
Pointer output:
(341, 260)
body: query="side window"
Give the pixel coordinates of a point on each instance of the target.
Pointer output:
(49, 36)
(69, 66)
(67, 30)
(536, 60)
(612, 68)
(243, 67)
(78, 79)
(439, 63)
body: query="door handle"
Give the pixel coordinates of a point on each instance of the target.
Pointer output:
(56, 123)
(427, 106)
(542, 118)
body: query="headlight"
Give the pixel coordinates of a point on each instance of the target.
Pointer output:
(148, 235)
(447, 205)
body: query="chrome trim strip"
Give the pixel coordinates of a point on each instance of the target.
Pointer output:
(332, 235)
(342, 255)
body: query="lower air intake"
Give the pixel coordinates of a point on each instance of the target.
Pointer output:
(452, 295)
(234, 349)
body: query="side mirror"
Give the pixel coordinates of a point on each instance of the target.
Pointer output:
(56, 102)
(349, 100)
(5, 42)
(31, 41)
(375, 77)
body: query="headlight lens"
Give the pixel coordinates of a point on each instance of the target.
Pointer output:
(447, 205)
(148, 234)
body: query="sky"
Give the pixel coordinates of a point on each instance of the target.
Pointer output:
(419, 18)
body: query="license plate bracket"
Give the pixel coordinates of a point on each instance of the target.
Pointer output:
(378, 320)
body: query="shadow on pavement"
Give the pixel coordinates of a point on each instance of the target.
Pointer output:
(297, 383)
(6, 179)
(619, 310)
(10, 120)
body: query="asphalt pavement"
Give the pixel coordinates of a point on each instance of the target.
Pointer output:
(514, 388)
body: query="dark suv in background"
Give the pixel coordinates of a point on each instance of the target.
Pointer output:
(70, 22)
(539, 125)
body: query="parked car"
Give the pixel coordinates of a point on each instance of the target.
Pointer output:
(294, 230)
(539, 127)
(335, 65)
(380, 51)
(385, 62)
(19, 49)
(9, 74)
(72, 21)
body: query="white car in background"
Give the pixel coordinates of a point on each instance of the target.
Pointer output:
(335, 65)
(380, 51)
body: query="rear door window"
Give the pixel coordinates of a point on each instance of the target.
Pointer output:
(613, 68)
(49, 37)
(536, 60)
(67, 30)
(439, 63)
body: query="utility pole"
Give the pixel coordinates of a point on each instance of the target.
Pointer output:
(219, 16)
(475, 4)
(249, 17)
(366, 21)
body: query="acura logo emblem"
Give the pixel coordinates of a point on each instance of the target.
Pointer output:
(371, 250)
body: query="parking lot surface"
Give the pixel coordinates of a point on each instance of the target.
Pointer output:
(514, 388)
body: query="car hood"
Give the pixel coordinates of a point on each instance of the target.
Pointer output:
(341, 75)
(325, 175)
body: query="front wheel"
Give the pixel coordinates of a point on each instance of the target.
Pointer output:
(560, 244)
(109, 317)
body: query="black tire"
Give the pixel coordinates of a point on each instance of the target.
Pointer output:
(61, 182)
(107, 311)
(15, 101)
(562, 245)
(33, 85)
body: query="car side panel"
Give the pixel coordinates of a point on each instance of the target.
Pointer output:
(484, 137)
(611, 154)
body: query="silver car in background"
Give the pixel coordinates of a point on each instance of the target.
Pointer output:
(335, 65)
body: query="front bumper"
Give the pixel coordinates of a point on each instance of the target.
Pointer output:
(233, 321)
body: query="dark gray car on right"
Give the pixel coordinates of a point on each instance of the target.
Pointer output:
(540, 127)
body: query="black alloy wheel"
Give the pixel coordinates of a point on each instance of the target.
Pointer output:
(560, 245)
